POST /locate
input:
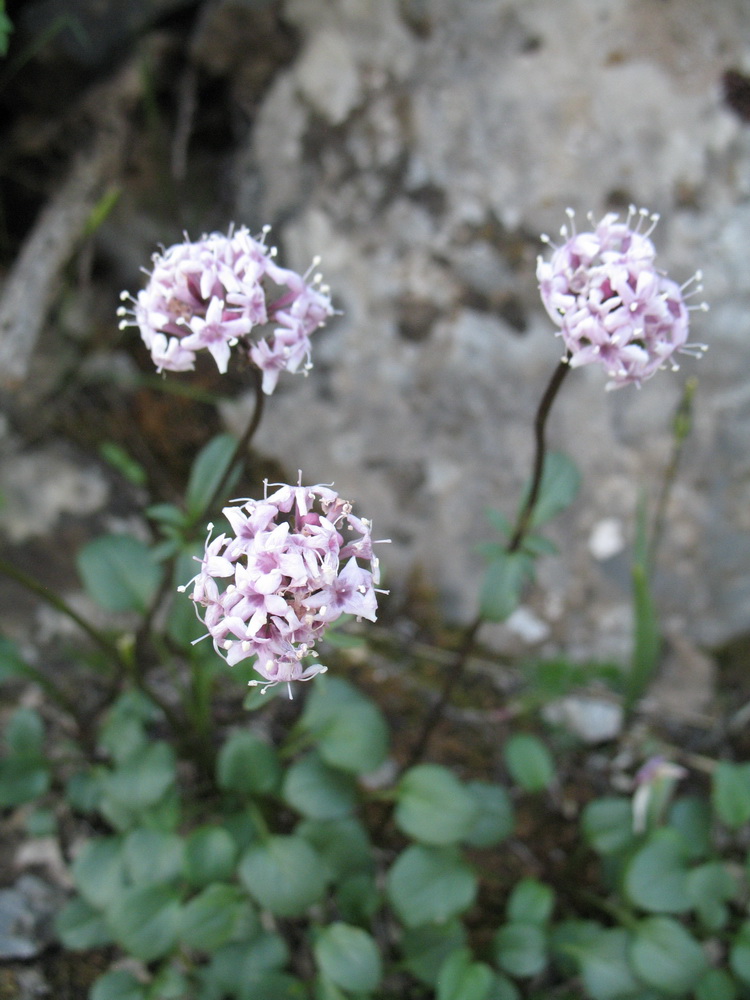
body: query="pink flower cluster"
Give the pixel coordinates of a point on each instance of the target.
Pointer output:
(613, 307)
(286, 571)
(215, 293)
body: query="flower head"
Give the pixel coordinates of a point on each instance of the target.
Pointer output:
(290, 566)
(220, 291)
(613, 306)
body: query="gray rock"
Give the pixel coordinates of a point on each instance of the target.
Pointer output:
(26, 912)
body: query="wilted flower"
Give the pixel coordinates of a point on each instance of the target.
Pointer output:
(612, 305)
(221, 291)
(290, 566)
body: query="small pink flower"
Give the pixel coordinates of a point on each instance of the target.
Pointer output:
(284, 572)
(222, 291)
(612, 305)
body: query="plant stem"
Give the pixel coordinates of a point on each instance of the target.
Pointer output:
(466, 646)
(42, 591)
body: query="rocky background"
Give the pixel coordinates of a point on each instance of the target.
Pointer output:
(420, 147)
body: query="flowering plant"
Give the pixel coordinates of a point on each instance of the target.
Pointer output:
(613, 306)
(284, 562)
(214, 293)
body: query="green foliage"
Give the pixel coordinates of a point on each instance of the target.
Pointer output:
(6, 27)
(529, 762)
(119, 573)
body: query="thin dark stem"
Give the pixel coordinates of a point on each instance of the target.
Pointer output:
(42, 591)
(540, 424)
(456, 673)
(244, 441)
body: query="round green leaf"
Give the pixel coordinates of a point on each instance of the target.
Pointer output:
(430, 885)
(208, 921)
(602, 959)
(343, 844)
(210, 855)
(529, 762)
(433, 806)
(656, 877)
(494, 818)
(502, 988)
(22, 779)
(521, 949)
(506, 575)
(730, 793)
(284, 875)
(317, 790)
(349, 730)
(80, 927)
(99, 871)
(152, 856)
(560, 483)
(243, 963)
(460, 978)
(710, 886)
(690, 815)
(349, 957)
(666, 956)
(143, 778)
(24, 733)
(425, 947)
(119, 572)
(358, 898)
(117, 985)
(531, 902)
(716, 985)
(607, 824)
(248, 765)
(145, 920)
(739, 956)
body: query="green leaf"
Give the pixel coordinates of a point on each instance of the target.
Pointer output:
(144, 778)
(12, 663)
(607, 824)
(499, 522)
(560, 484)
(349, 957)
(710, 886)
(425, 947)
(730, 792)
(521, 949)
(690, 815)
(79, 926)
(666, 956)
(41, 822)
(529, 762)
(358, 898)
(153, 856)
(349, 730)
(242, 969)
(460, 978)
(248, 765)
(716, 985)
(656, 876)
(318, 791)
(119, 573)
(24, 733)
(83, 791)
(502, 988)
(494, 819)
(169, 983)
(6, 27)
(22, 779)
(124, 463)
(739, 955)
(430, 885)
(284, 875)
(504, 579)
(209, 468)
(208, 921)
(603, 963)
(531, 902)
(99, 871)
(145, 920)
(210, 855)
(433, 806)
(343, 845)
(117, 985)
